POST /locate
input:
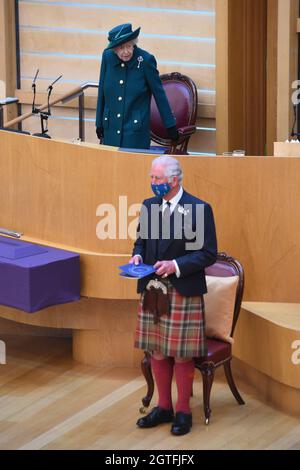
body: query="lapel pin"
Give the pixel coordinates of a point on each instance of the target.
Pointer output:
(139, 59)
(183, 211)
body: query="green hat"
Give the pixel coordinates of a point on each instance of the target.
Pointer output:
(121, 34)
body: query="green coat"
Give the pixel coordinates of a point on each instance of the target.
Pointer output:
(124, 97)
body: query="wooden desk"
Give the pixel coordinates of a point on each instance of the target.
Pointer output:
(52, 190)
(268, 344)
(286, 149)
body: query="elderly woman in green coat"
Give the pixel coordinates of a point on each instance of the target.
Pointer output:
(128, 79)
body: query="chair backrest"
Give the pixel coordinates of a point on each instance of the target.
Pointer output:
(182, 95)
(226, 266)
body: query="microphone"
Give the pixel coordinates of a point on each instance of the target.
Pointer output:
(34, 80)
(56, 80)
(49, 89)
(33, 86)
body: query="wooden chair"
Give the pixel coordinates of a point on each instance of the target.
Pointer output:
(183, 98)
(219, 352)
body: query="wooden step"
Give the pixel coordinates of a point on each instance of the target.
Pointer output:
(163, 47)
(104, 17)
(162, 4)
(86, 68)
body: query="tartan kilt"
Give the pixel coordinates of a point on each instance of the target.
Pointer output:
(182, 334)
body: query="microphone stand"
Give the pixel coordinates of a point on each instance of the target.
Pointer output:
(33, 86)
(45, 114)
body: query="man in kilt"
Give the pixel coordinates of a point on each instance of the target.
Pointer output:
(179, 253)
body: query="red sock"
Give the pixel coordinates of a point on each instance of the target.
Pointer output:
(184, 374)
(163, 373)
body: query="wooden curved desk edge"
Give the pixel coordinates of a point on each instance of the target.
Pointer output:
(103, 330)
(267, 352)
(285, 315)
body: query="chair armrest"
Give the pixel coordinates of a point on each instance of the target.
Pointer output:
(187, 130)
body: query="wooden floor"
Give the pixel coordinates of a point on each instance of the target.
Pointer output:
(48, 401)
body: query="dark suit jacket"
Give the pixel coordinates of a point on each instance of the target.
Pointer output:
(190, 262)
(124, 97)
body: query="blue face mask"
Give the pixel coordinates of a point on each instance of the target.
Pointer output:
(161, 190)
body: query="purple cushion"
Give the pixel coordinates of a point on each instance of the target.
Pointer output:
(33, 277)
(217, 351)
(181, 105)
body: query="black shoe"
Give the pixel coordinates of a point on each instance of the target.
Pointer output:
(182, 424)
(157, 416)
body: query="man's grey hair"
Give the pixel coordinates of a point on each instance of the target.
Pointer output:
(172, 166)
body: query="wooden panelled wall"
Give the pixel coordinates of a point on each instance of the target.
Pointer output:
(256, 65)
(66, 37)
(241, 75)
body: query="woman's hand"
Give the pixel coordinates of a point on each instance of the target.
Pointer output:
(99, 132)
(173, 133)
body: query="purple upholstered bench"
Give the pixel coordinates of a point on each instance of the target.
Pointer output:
(33, 277)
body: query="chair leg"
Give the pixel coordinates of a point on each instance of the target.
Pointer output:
(233, 388)
(147, 372)
(207, 370)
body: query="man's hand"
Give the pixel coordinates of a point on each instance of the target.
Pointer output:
(165, 268)
(136, 259)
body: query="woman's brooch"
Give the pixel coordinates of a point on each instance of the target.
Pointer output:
(183, 211)
(139, 59)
